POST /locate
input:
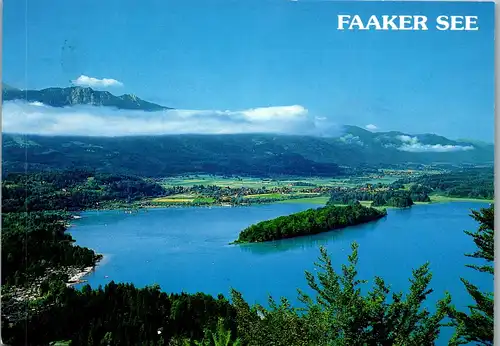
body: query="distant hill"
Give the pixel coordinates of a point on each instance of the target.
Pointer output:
(475, 142)
(243, 154)
(160, 156)
(71, 96)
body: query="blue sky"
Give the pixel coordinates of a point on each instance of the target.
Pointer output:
(239, 55)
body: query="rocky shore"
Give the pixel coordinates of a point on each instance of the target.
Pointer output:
(76, 275)
(32, 290)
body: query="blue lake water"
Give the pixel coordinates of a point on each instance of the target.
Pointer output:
(186, 249)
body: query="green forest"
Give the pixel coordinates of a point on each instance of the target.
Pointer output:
(466, 183)
(262, 155)
(117, 314)
(311, 221)
(72, 190)
(388, 198)
(34, 243)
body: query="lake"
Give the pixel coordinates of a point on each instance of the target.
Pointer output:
(186, 249)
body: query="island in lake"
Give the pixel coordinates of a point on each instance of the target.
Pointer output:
(311, 221)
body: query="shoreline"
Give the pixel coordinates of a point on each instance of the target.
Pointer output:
(305, 200)
(32, 292)
(148, 205)
(77, 276)
(314, 201)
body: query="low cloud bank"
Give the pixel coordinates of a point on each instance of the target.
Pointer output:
(412, 144)
(351, 139)
(37, 118)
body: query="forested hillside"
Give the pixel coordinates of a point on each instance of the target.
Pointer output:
(391, 196)
(244, 154)
(71, 190)
(34, 243)
(468, 183)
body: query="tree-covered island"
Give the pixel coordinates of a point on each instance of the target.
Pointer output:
(311, 221)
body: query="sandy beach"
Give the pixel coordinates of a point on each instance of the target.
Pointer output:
(76, 276)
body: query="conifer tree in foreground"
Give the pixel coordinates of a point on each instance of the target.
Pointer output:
(342, 315)
(478, 325)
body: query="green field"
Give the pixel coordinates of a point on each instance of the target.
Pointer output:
(190, 181)
(284, 195)
(265, 195)
(297, 192)
(439, 198)
(172, 200)
(385, 180)
(204, 200)
(313, 200)
(183, 199)
(237, 182)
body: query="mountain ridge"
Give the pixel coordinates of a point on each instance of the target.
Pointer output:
(242, 154)
(76, 95)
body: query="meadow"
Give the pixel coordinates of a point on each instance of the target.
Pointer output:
(280, 190)
(295, 183)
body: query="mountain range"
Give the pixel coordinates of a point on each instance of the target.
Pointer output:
(251, 154)
(75, 95)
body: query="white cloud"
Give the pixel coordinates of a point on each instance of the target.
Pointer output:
(371, 127)
(95, 82)
(36, 103)
(407, 139)
(22, 117)
(271, 113)
(412, 144)
(351, 139)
